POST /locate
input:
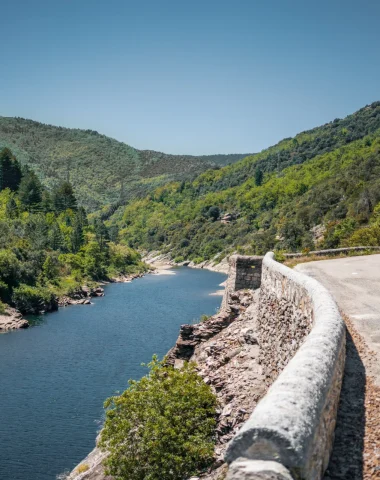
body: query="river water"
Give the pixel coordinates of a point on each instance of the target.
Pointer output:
(55, 375)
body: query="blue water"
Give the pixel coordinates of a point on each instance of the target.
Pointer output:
(55, 375)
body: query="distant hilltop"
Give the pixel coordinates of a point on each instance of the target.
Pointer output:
(102, 170)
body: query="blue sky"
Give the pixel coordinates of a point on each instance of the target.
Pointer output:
(189, 76)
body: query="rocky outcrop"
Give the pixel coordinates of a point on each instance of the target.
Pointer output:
(12, 320)
(192, 335)
(229, 362)
(81, 296)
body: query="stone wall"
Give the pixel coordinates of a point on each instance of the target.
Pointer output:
(302, 336)
(244, 272)
(285, 318)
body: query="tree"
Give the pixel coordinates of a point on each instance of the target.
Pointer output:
(10, 170)
(162, 427)
(77, 236)
(37, 230)
(259, 177)
(30, 191)
(50, 268)
(11, 209)
(64, 198)
(213, 213)
(56, 239)
(101, 233)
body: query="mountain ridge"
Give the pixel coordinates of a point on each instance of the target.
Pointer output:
(319, 189)
(103, 170)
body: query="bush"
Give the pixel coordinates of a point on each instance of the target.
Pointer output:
(2, 308)
(35, 300)
(83, 467)
(162, 427)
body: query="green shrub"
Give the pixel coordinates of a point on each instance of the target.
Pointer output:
(198, 260)
(279, 256)
(2, 308)
(162, 427)
(29, 299)
(367, 236)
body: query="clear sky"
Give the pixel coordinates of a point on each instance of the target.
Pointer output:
(196, 76)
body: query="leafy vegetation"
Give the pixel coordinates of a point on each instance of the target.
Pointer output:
(161, 427)
(48, 246)
(325, 179)
(102, 170)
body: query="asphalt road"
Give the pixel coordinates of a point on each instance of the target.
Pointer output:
(354, 282)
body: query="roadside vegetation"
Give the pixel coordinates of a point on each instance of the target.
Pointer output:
(48, 246)
(161, 427)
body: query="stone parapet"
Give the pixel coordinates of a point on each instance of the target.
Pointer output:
(302, 336)
(244, 273)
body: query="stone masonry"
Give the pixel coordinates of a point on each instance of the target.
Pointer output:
(302, 336)
(244, 273)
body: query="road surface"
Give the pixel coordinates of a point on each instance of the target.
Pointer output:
(354, 282)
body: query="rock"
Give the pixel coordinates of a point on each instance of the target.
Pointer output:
(12, 320)
(87, 302)
(226, 410)
(249, 337)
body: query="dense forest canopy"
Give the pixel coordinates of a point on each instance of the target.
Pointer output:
(320, 188)
(48, 247)
(102, 170)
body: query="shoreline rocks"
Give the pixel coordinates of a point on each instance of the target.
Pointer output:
(81, 296)
(12, 320)
(160, 260)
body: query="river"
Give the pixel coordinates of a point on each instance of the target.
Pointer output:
(55, 375)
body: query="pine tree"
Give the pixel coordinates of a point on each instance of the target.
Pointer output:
(101, 233)
(10, 170)
(30, 191)
(64, 198)
(77, 236)
(56, 240)
(259, 177)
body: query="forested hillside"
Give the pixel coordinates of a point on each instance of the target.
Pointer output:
(48, 247)
(320, 188)
(102, 170)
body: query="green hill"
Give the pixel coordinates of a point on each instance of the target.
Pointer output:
(102, 170)
(320, 188)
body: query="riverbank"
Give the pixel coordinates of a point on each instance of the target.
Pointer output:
(164, 260)
(226, 352)
(160, 264)
(12, 319)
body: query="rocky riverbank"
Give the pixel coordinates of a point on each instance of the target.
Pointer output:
(226, 352)
(158, 260)
(12, 319)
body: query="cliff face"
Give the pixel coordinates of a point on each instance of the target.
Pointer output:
(228, 361)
